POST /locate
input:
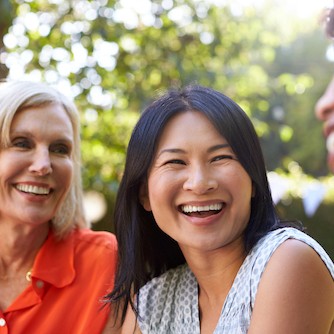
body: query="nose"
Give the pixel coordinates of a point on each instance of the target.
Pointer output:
(41, 162)
(200, 180)
(325, 105)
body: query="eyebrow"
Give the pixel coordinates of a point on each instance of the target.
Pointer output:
(23, 133)
(179, 150)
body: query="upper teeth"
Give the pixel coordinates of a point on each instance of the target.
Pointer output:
(330, 143)
(192, 208)
(33, 189)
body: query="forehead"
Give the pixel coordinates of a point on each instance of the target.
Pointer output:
(190, 126)
(51, 117)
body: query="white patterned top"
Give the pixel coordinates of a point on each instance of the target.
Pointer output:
(169, 304)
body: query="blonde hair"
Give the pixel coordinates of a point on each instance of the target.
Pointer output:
(19, 95)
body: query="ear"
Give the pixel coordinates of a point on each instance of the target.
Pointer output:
(144, 197)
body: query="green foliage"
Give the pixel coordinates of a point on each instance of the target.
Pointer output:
(114, 59)
(320, 226)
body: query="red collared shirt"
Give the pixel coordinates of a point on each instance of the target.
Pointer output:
(69, 279)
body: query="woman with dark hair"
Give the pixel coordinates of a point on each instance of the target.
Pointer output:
(201, 249)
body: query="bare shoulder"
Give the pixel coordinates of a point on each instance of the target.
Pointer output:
(295, 294)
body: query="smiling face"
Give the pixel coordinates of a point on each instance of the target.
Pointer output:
(198, 192)
(36, 168)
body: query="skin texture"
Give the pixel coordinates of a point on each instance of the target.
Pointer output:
(324, 110)
(38, 159)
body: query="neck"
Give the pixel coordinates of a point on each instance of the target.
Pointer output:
(216, 270)
(215, 284)
(19, 248)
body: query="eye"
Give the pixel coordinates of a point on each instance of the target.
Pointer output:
(223, 157)
(21, 143)
(60, 149)
(175, 162)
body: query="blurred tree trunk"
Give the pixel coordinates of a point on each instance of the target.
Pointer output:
(6, 17)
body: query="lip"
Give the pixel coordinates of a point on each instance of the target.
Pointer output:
(328, 127)
(205, 221)
(202, 203)
(330, 143)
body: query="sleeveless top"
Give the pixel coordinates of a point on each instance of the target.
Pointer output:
(168, 304)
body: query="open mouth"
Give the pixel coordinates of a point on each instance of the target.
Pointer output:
(34, 190)
(202, 211)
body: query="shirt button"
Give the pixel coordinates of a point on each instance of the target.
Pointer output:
(2, 322)
(39, 284)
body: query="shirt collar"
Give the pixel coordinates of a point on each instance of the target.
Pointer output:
(54, 262)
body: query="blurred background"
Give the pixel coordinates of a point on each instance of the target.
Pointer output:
(113, 57)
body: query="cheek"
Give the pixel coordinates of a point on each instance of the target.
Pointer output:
(154, 198)
(245, 198)
(241, 180)
(161, 191)
(242, 188)
(66, 174)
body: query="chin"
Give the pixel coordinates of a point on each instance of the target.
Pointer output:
(37, 220)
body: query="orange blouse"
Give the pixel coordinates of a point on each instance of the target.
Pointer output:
(68, 280)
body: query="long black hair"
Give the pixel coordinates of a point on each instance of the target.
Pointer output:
(145, 251)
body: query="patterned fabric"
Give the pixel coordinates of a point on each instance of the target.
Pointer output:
(169, 304)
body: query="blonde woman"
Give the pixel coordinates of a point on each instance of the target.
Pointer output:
(54, 270)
